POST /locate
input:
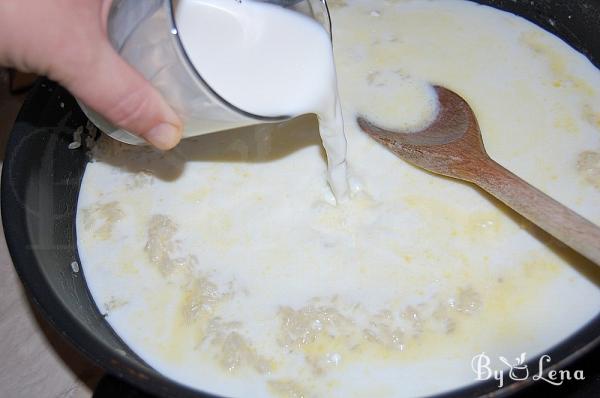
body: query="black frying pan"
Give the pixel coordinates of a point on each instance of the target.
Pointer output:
(40, 185)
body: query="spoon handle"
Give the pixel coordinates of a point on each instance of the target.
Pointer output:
(539, 208)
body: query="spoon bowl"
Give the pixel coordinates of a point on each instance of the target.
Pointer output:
(452, 146)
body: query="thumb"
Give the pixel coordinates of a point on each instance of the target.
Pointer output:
(118, 92)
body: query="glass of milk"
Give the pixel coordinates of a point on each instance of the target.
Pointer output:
(207, 58)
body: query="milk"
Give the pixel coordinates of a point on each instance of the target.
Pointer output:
(268, 61)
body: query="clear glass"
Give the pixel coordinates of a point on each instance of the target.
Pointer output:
(145, 34)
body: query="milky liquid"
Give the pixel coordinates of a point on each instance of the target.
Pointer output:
(268, 61)
(222, 265)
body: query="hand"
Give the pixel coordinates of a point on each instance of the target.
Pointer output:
(66, 40)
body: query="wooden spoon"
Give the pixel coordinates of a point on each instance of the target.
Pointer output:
(452, 146)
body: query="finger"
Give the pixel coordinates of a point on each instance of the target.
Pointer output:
(115, 90)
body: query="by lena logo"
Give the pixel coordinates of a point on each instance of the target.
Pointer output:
(519, 370)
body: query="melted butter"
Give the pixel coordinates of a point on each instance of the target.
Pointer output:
(592, 117)
(127, 266)
(180, 337)
(543, 45)
(482, 227)
(496, 313)
(198, 195)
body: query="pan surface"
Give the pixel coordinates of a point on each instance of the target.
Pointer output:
(40, 185)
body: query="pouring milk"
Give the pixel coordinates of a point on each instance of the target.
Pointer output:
(268, 61)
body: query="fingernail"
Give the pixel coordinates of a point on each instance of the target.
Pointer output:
(163, 136)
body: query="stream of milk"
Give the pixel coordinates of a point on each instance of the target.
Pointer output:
(269, 61)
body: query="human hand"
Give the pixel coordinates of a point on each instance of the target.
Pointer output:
(66, 40)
